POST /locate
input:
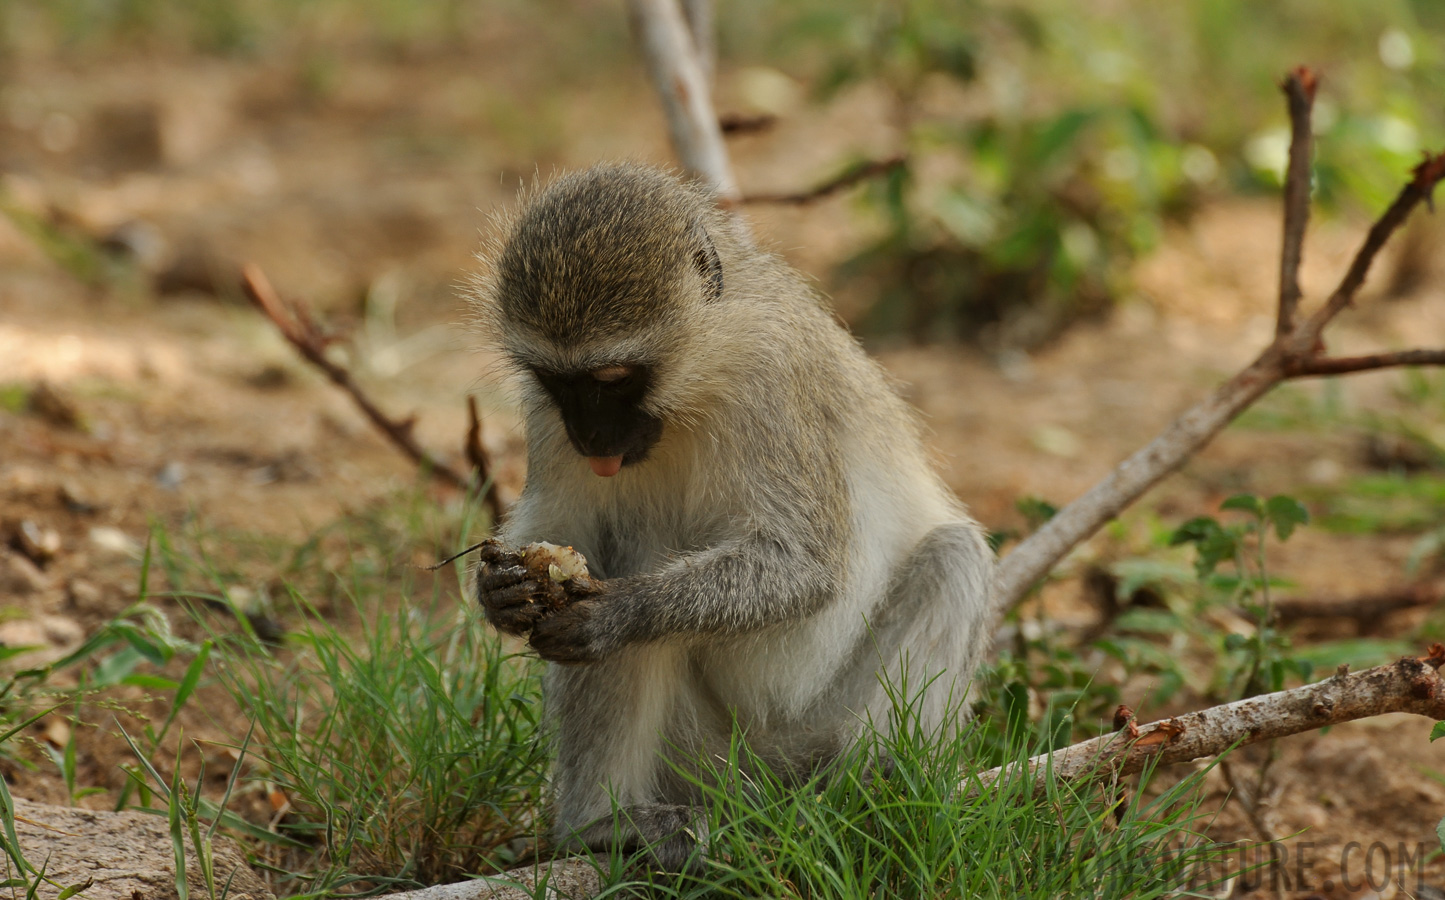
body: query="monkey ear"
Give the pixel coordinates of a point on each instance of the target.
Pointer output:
(708, 265)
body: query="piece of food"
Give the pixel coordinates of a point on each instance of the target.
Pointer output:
(561, 571)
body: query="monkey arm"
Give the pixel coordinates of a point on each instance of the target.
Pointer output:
(746, 584)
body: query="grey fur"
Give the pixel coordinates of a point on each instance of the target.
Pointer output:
(783, 549)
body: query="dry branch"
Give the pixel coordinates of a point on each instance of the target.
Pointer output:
(1409, 685)
(1295, 353)
(845, 179)
(679, 77)
(482, 479)
(1299, 88)
(1363, 609)
(299, 329)
(742, 123)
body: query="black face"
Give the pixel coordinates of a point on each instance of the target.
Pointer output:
(602, 410)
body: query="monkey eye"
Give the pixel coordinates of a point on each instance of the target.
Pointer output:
(611, 374)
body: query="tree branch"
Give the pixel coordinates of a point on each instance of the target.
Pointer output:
(1299, 87)
(1296, 353)
(1409, 685)
(703, 28)
(299, 329)
(845, 179)
(678, 75)
(1343, 365)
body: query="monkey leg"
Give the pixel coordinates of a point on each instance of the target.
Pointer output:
(930, 634)
(614, 720)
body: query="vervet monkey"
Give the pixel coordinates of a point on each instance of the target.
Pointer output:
(771, 543)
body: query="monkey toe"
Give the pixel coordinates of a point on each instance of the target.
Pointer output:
(670, 838)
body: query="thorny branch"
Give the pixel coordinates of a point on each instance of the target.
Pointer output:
(300, 330)
(1297, 352)
(1409, 685)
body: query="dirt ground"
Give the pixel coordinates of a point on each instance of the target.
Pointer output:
(367, 200)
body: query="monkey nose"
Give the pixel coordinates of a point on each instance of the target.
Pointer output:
(605, 466)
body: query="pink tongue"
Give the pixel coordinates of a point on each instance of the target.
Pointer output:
(605, 466)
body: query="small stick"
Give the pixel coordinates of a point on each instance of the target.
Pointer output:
(300, 330)
(847, 178)
(1419, 190)
(481, 463)
(1342, 365)
(741, 123)
(1299, 87)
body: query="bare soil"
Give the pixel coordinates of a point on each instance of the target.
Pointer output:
(366, 198)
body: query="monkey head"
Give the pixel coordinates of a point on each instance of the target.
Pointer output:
(593, 296)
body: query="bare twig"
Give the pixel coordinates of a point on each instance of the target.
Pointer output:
(1343, 365)
(678, 76)
(1297, 353)
(1304, 340)
(482, 480)
(1364, 608)
(1299, 87)
(741, 123)
(1409, 685)
(845, 179)
(301, 331)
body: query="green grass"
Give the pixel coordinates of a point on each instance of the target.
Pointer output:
(1388, 502)
(923, 829)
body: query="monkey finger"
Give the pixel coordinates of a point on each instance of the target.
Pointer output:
(521, 593)
(491, 578)
(516, 620)
(496, 553)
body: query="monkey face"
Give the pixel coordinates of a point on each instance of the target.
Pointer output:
(602, 410)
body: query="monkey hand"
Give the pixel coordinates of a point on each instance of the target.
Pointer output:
(518, 587)
(509, 596)
(575, 635)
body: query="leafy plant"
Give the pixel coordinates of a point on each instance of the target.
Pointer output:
(1241, 546)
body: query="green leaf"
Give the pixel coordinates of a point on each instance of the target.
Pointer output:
(188, 684)
(155, 652)
(1214, 542)
(74, 889)
(1057, 135)
(1438, 731)
(1036, 510)
(1285, 513)
(1246, 502)
(1440, 833)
